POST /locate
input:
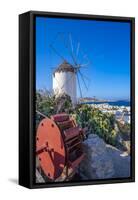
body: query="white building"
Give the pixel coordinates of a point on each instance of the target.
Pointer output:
(64, 81)
(123, 116)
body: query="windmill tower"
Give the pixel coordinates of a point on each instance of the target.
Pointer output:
(68, 74)
(64, 81)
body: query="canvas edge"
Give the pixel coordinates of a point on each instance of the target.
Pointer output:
(31, 184)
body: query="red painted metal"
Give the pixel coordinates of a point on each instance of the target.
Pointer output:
(60, 117)
(71, 132)
(59, 145)
(52, 161)
(75, 163)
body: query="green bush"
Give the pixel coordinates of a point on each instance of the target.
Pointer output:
(125, 130)
(48, 104)
(97, 122)
(45, 102)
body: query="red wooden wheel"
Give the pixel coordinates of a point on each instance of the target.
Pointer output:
(50, 148)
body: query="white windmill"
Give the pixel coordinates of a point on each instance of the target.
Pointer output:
(64, 81)
(67, 74)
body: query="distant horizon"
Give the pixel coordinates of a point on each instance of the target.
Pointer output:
(107, 45)
(99, 98)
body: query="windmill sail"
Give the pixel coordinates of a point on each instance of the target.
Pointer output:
(67, 76)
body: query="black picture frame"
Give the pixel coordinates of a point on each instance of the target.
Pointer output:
(27, 98)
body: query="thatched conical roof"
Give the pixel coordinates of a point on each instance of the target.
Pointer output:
(65, 67)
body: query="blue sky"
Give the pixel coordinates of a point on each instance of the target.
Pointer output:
(107, 45)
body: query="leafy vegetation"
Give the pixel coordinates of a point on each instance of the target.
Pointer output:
(124, 130)
(48, 104)
(45, 102)
(97, 122)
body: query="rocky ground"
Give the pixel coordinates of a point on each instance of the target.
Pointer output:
(103, 161)
(121, 162)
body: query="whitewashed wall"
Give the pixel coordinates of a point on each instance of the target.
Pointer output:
(65, 82)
